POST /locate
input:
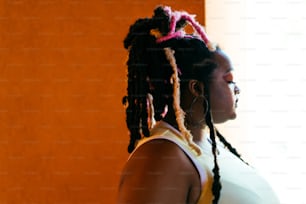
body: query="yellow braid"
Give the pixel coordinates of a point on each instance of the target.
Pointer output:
(179, 113)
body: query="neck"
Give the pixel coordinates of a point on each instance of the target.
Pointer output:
(198, 131)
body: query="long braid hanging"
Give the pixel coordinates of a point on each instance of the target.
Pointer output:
(136, 102)
(179, 113)
(229, 146)
(175, 18)
(216, 186)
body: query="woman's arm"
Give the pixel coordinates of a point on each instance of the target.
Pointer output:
(159, 172)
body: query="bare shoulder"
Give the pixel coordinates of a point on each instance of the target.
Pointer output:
(159, 171)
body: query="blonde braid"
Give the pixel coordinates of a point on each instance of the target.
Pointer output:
(151, 120)
(179, 113)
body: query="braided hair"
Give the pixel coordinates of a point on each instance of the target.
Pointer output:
(162, 59)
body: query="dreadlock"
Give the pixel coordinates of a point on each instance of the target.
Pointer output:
(229, 146)
(162, 59)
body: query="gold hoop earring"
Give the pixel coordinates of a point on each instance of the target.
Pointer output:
(206, 106)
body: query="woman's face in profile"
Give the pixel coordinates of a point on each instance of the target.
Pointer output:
(223, 91)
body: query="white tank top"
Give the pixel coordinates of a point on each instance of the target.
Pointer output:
(241, 184)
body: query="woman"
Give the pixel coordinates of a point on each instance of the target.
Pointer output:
(179, 85)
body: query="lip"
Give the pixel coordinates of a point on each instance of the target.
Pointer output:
(236, 103)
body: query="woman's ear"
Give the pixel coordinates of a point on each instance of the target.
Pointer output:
(196, 87)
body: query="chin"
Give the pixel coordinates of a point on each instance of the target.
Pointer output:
(223, 119)
(233, 116)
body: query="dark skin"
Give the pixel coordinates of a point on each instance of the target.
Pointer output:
(168, 175)
(163, 176)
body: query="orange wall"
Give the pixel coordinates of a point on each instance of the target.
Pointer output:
(62, 75)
